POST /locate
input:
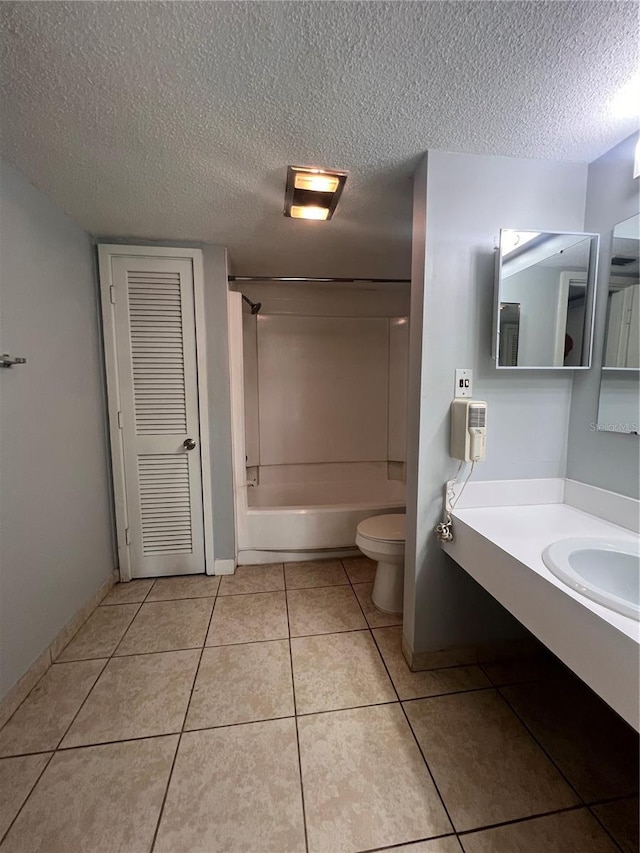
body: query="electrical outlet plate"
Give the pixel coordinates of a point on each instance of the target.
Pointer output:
(463, 382)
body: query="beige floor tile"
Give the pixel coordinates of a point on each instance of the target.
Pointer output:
(487, 767)
(128, 593)
(568, 832)
(432, 682)
(44, 716)
(235, 789)
(17, 777)
(376, 618)
(360, 569)
(247, 579)
(136, 696)
(101, 633)
(242, 684)
(437, 845)
(592, 746)
(334, 671)
(163, 626)
(314, 573)
(100, 799)
(187, 586)
(324, 611)
(365, 783)
(248, 619)
(622, 819)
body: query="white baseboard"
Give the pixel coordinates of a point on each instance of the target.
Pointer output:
(21, 689)
(224, 567)
(259, 558)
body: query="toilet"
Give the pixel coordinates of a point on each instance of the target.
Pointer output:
(382, 539)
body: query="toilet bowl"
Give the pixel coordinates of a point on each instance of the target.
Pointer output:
(382, 539)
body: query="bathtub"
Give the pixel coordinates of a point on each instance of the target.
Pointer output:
(313, 517)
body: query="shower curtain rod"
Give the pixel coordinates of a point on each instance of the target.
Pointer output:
(308, 278)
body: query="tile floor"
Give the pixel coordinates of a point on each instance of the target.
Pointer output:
(272, 712)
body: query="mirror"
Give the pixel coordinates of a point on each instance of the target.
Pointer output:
(619, 404)
(545, 285)
(621, 346)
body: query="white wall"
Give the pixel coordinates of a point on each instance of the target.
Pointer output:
(398, 378)
(460, 203)
(605, 459)
(56, 546)
(323, 389)
(215, 283)
(325, 379)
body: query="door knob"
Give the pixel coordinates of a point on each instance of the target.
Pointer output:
(188, 444)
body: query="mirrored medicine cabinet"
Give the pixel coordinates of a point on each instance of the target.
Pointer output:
(544, 299)
(619, 401)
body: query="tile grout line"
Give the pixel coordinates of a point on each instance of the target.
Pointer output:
(184, 721)
(66, 731)
(58, 662)
(557, 768)
(295, 716)
(538, 744)
(31, 790)
(107, 660)
(136, 604)
(596, 817)
(267, 719)
(517, 820)
(384, 663)
(579, 805)
(491, 685)
(58, 748)
(407, 844)
(413, 735)
(605, 828)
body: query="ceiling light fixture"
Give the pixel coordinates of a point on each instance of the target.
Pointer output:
(298, 211)
(315, 182)
(312, 193)
(626, 101)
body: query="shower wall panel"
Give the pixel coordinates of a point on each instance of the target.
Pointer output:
(323, 389)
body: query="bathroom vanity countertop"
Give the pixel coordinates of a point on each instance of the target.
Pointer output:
(501, 548)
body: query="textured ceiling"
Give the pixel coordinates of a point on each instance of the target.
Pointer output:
(176, 121)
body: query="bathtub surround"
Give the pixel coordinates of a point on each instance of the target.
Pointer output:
(608, 460)
(57, 546)
(460, 203)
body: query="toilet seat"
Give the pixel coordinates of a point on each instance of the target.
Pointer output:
(384, 528)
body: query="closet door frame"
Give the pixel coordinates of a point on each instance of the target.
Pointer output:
(106, 251)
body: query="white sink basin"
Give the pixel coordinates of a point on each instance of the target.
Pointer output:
(605, 570)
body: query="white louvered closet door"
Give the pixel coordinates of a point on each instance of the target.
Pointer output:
(157, 378)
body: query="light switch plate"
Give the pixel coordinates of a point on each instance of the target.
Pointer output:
(464, 382)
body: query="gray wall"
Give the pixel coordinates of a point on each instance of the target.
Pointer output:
(460, 203)
(604, 459)
(55, 523)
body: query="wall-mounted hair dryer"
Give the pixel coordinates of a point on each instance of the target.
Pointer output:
(468, 430)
